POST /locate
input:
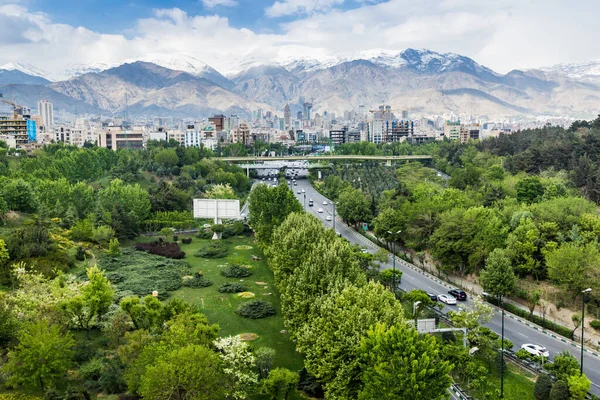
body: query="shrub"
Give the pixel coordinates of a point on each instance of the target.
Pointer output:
(523, 354)
(595, 324)
(232, 288)
(236, 271)
(166, 231)
(175, 238)
(204, 234)
(255, 309)
(215, 249)
(170, 250)
(542, 388)
(310, 385)
(113, 247)
(560, 391)
(187, 240)
(197, 281)
(138, 273)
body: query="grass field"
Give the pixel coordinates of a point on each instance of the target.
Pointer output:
(219, 307)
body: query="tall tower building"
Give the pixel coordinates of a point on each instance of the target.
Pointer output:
(287, 116)
(307, 109)
(46, 111)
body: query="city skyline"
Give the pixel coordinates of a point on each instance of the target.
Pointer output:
(231, 34)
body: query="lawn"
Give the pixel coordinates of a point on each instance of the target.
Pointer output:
(219, 307)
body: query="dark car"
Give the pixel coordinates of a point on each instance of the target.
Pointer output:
(458, 294)
(432, 296)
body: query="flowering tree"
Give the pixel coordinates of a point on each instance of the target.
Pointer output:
(239, 363)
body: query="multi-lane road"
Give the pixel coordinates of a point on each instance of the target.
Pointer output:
(515, 330)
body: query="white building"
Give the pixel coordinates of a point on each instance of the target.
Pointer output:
(46, 111)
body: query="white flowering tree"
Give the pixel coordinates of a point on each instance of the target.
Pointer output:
(238, 364)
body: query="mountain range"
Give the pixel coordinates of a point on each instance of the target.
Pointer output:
(421, 81)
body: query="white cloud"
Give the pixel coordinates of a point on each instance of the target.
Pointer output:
(502, 34)
(290, 7)
(215, 3)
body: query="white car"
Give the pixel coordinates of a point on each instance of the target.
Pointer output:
(303, 190)
(328, 218)
(446, 298)
(535, 350)
(324, 202)
(320, 210)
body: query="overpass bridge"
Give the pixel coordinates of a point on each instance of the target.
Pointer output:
(326, 157)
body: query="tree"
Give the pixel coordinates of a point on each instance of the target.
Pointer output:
(145, 313)
(529, 190)
(42, 357)
(533, 299)
(422, 298)
(353, 206)
(542, 388)
(576, 319)
(191, 372)
(167, 158)
(113, 247)
(238, 364)
(579, 386)
(94, 301)
(221, 192)
(563, 366)
(280, 384)
(264, 359)
(103, 235)
(4, 262)
(338, 323)
(399, 363)
(19, 196)
(498, 277)
(560, 391)
(574, 267)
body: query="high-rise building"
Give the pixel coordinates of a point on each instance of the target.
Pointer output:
(241, 134)
(287, 116)
(404, 114)
(217, 121)
(307, 109)
(299, 116)
(46, 111)
(452, 130)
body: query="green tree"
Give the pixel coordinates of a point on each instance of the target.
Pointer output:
(579, 386)
(5, 268)
(280, 384)
(529, 190)
(167, 158)
(498, 277)
(533, 299)
(563, 366)
(145, 313)
(338, 323)
(420, 296)
(42, 357)
(238, 364)
(399, 363)
(574, 267)
(269, 207)
(264, 360)
(221, 191)
(191, 372)
(543, 386)
(19, 196)
(130, 198)
(114, 249)
(560, 391)
(353, 206)
(103, 235)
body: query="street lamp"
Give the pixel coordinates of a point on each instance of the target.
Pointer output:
(502, 351)
(333, 203)
(394, 257)
(415, 305)
(583, 325)
(304, 201)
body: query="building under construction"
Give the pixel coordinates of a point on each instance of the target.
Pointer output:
(19, 129)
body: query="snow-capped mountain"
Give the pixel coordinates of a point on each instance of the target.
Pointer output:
(21, 74)
(586, 71)
(26, 69)
(75, 70)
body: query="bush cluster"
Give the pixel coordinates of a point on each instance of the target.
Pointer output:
(186, 240)
(204, 234)
(236, 271)
(170, 250)
(255, 309)
(216, 249)
(561, 330)
(198, 281)
(138, 273)
(232, 288)
(595, 324)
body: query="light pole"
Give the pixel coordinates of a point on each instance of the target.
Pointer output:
(394, 258)
(583, 325)
(304, 201)
(502, 353)
(415, 305)
(333, 203)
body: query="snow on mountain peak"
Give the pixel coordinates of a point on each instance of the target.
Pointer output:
(589, 70)
(26, 69)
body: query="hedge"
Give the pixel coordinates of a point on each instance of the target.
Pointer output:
(255, 309)
(197, 281)
(561, 330)
(232, 287)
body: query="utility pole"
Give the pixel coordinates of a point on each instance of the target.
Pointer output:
(333, 202)
(394, 258)
(583, 325)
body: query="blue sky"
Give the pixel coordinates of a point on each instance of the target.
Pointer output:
(55, 35)
(116, 16)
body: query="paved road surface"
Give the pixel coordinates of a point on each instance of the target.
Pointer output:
(514, 330)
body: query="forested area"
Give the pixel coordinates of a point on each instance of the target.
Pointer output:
(531, 195)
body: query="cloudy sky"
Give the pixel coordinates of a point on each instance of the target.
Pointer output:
(501, 34)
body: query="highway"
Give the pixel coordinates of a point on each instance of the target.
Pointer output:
(514, 330)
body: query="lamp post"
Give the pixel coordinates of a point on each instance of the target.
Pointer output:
(333, 203)
(394, 258)
(502, 354)
(415, 305)
(583, 325)
(304, 201)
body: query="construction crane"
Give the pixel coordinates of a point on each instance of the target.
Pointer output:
(17, 109)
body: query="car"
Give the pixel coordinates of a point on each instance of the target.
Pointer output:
(337, 233)
(364, 251)
(303, 190)
(242, 215)
(535, 350)
(432, 296)
(320, 210)
(458, 294)
(295, 184)
(299, 192)
(444, 298)
(324, 202)
(328, 218)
